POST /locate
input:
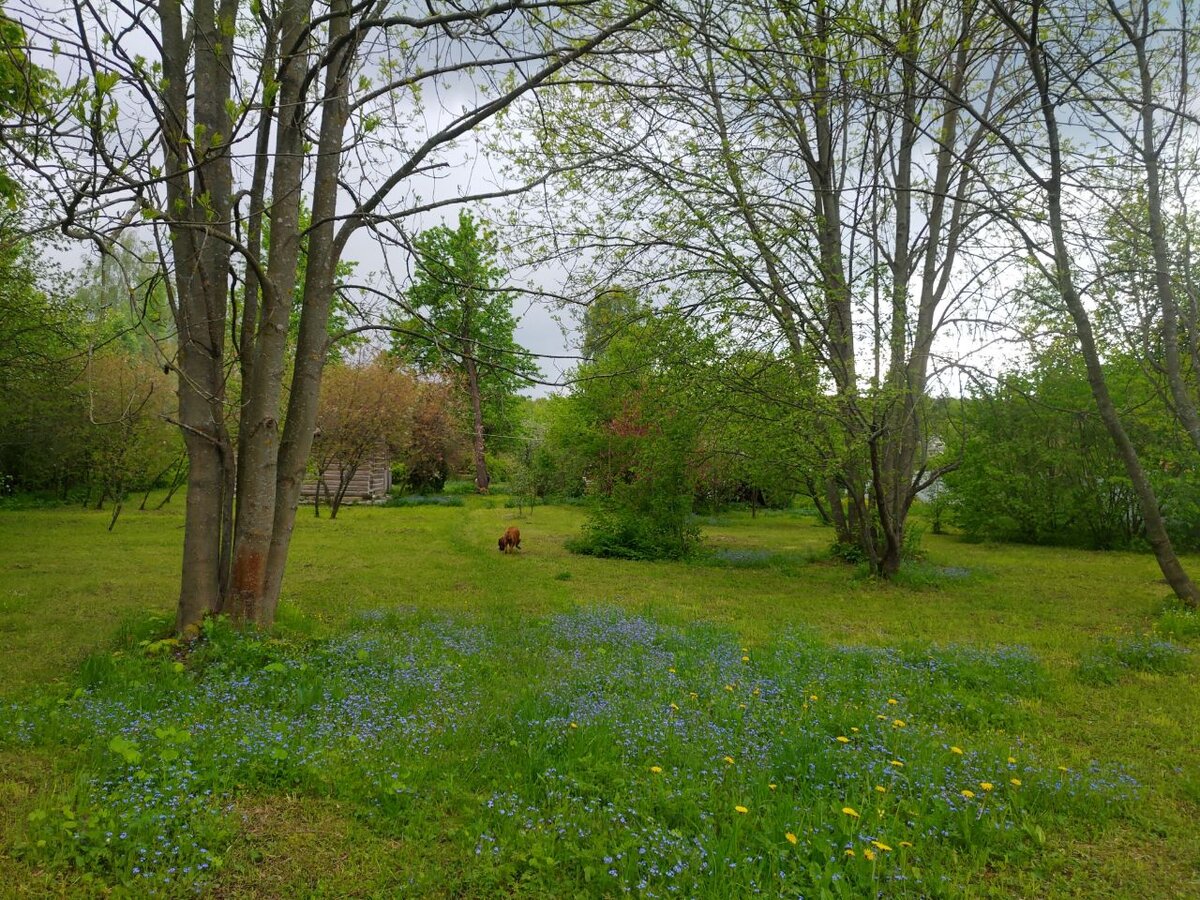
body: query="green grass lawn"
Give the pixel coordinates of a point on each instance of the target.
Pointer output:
(72, 592)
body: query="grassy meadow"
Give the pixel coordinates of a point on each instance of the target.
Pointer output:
(433, 718)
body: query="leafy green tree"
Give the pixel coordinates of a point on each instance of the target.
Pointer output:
(459, 319)
(643, 406)
(611, 310)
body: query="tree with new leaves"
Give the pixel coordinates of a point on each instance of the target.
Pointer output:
(805, 174)
(610, 311)
(436, 446)
(25, 89)
(460, 320)
(642, 405)
(196, 120)
(366, 409)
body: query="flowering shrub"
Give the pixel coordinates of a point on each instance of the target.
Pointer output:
(594, 753)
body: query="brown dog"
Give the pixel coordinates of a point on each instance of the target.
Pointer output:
(511, 539)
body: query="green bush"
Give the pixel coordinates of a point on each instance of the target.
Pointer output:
(400, 483)
(628, 532)
(848, 552)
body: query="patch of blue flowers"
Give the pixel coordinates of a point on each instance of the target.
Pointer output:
(592, 753)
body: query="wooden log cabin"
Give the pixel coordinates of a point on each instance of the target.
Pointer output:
(372, 481)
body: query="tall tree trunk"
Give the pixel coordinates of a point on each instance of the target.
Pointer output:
(312, 344)
(259, 444)
(1156, 531)
(482, 479)
(201, 282)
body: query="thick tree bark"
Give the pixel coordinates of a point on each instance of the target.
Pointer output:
(259, 447)
(313, 341)
(201, 284)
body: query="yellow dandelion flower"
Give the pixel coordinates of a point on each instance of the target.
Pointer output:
(906, 843)
(772, 786)
(1063, 769)
(869, 855)
(728, 759)
(745, 659)
(855, 730)
(880, 845)
(956, 750)
(849, 852)
(656, 769)
(850, 811)
(881, 716)
(741, 706)
(741, 809)
(693, 695)
(671, 670)
(573, 725)
(791, 838)
(1012, 760)
(898, 723)
(896, 762)
(673, 706)
(756, 692)
(880, 789)
(1015, 782)
(892, 701)
(968, 794)
(986, 785)
(813, 697)
(842, 739)
(729, 687)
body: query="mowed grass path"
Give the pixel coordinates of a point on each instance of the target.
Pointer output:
(67, 587)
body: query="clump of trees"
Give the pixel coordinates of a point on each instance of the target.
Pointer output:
(365, 411)
(667, 418)
(378, 407)
(85, 408)
(1038, 465)
(437, 447)
(641, 408)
